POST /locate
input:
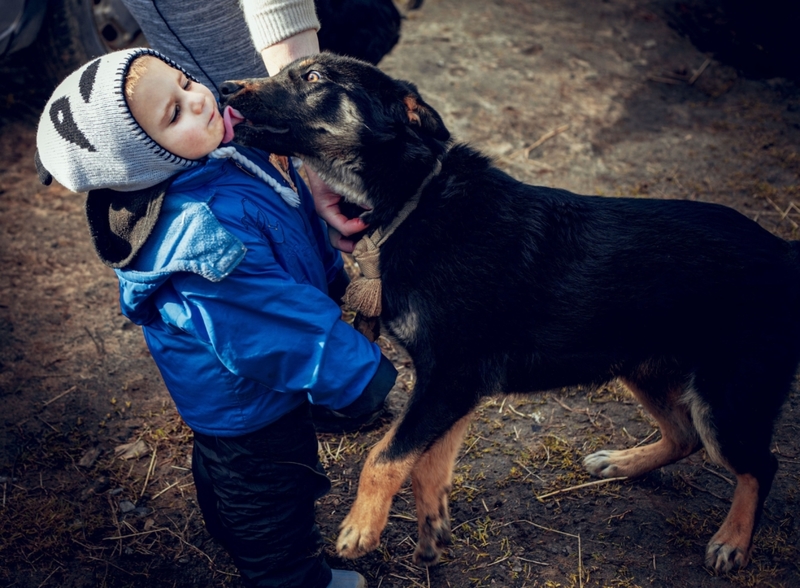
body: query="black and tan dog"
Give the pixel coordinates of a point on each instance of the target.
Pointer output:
(495, 286)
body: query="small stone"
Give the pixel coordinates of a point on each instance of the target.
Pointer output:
(88, 458)
(126, 506)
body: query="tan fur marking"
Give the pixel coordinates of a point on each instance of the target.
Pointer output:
(411, 110)
(731, 545)
(431, 481)
(380, 480)
(678, 438)
(701, 417)
(405, 326)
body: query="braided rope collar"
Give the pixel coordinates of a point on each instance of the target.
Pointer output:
(363, 295)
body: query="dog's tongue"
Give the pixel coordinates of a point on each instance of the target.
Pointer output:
(230, 117)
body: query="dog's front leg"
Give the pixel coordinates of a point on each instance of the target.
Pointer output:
(380, 480)
(431, 481)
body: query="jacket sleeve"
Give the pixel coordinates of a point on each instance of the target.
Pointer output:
(272, 21)
(265, 326)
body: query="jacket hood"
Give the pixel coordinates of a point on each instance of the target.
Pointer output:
(186, 238)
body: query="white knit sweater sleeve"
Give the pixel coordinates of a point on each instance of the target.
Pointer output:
(272, 21)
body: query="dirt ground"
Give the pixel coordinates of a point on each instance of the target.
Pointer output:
(619, 97)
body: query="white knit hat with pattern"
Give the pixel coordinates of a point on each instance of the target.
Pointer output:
(87, 137)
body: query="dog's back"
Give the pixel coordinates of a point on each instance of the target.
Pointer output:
(616, 279)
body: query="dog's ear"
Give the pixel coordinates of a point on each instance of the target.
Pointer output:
(420, 114)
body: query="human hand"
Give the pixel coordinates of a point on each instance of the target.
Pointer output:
(326, 202)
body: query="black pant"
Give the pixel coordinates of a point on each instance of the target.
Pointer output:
(257, 494)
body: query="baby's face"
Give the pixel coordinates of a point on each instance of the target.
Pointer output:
(179, 114)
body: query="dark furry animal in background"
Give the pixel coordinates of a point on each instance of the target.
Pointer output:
(365, 29)
(495, 286)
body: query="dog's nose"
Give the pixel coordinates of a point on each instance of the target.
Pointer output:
(227, 89)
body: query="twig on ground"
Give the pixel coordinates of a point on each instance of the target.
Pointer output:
(116, 524)
(494, 563)
(149, 471)
(49, 576)
(64, 393)
(784, 213)
(533, 561)
(546, 137)
(617, 516)
(579, 486)
(515, 411)
(696, 487)
(727, 479)
(462, 524)
(98, 344)
(693, 79)
(160, 492)
(137, 534)
(48, 424)
(478, 438)
(646, 439)
(524, 467)
(537, 143)
(578, 537)
(565, 407)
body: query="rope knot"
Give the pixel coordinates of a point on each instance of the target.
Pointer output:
(363, 294)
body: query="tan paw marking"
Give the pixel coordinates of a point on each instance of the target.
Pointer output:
(357, 537)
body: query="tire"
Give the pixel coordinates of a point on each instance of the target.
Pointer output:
(76, 31)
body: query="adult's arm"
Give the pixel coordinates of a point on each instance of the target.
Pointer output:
(206, 37)
(281, 39)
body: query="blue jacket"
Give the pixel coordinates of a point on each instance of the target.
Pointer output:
(231, 292)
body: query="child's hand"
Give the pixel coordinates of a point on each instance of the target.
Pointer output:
(326, 201)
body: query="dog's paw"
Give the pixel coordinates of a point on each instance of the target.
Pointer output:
(356, 539)
(724, 557)
(601, 464)
(729, 548)
(433, 538)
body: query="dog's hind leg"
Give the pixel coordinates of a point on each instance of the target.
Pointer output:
(662, 399)
(431, 481)
(736, 433)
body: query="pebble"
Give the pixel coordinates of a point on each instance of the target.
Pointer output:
(126, 506)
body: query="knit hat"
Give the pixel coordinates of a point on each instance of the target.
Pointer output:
(90, 142)
(87, 137)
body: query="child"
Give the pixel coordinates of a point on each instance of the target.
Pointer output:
(222, 260)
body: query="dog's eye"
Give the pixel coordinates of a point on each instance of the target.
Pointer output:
(313, 76)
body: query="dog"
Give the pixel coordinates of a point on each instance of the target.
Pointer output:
(494, 286)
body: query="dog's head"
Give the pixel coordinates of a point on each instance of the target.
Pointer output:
(358, 128)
